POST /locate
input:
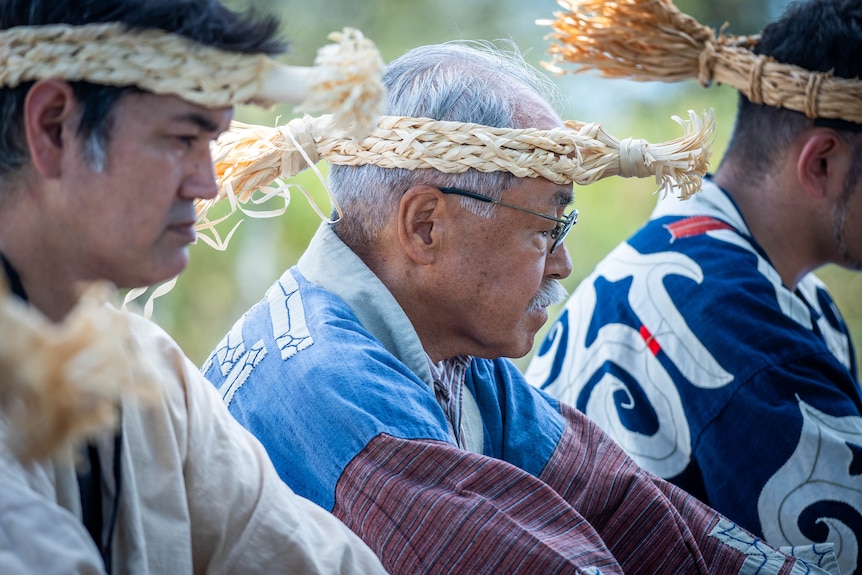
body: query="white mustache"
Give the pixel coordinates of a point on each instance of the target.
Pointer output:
(550, 292)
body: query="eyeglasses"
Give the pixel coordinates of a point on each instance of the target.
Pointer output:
(558, 234)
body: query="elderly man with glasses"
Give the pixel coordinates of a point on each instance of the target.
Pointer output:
(373, 371)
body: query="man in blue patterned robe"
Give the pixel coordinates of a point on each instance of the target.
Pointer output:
(703, 344)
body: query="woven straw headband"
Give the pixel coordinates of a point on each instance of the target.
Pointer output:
(653, 40)
(345, 80)
(249, 158)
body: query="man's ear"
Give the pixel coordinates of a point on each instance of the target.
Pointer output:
(421, 221)
(822, 163)
(48, 108)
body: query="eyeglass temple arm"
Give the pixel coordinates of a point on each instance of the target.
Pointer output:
(473, 195)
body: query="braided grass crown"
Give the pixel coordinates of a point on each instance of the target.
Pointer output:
(345, 81)
(652, 40)
(249, 158)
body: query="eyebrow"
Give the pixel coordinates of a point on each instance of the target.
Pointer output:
(199, 120)
(565, 197)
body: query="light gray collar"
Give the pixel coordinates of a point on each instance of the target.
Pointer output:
(330, 264)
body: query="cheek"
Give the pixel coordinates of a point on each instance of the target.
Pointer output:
(505, 272)
(852, 219)
(854, 211)
(518, 282)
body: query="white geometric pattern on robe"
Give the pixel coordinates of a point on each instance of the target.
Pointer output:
(241, 371)
(290, 333)
(288, 317)
(761, 558)
(233, 360)
(229, 350)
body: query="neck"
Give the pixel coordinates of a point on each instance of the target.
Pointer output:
(775, 220)
(48, 291)
(48, 262)
(44, 280)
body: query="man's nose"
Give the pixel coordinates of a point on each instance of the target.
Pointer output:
(558, 264)
(202, 182)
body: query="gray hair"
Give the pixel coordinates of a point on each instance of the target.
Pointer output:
(13, 146)
(472, 82)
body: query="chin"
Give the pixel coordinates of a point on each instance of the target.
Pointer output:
(175, 265)
(521, 349)
(161, 273)
(518, 355)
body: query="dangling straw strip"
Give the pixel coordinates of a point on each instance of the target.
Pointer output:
(61, 383)
(345, 81)
(652, 40)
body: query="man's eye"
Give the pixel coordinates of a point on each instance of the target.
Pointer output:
(552, 233)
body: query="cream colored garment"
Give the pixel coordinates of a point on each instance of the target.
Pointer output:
(199, 495)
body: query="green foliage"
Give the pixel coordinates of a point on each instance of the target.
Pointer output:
(219, 286)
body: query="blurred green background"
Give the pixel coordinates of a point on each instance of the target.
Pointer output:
(219, 286)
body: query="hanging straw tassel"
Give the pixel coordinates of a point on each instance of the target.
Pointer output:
(677, 165)
(652, 40)
(61, 383)
(637, 39)
(249, 158)
(346, 82)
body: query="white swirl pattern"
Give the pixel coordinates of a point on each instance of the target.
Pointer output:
(809, 477)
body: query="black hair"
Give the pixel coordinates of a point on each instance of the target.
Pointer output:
(820, 36)
(205, 21)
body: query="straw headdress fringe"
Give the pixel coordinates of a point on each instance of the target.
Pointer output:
(249, 158)
(344, 82)
(62, 383)
(652, 40)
